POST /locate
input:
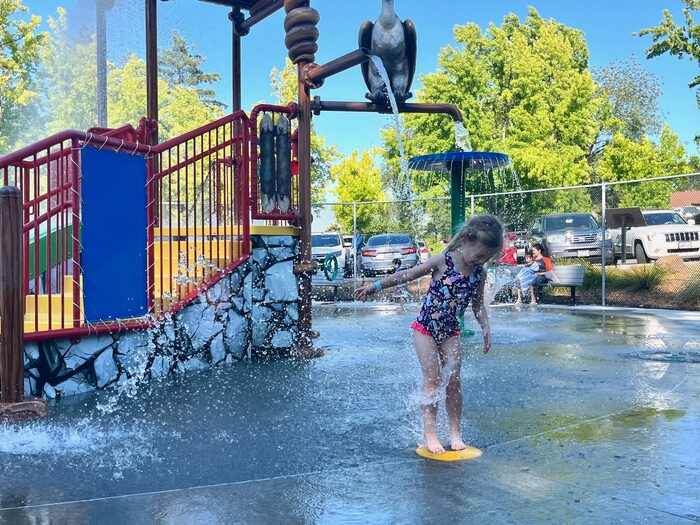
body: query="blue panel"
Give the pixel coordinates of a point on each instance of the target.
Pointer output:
(113, 235)
(469, 160)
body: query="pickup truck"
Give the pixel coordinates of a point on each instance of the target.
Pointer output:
(665, 233)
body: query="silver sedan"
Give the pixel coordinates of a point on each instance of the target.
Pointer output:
(388, 253)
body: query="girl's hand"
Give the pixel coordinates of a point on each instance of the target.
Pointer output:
(364, 292)
(487, 340)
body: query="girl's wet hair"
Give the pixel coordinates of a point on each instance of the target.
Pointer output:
(484, 229)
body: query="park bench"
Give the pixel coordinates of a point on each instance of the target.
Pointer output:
(568, 276)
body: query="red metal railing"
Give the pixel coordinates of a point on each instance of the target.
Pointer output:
(276, 216)
(48, 173)
(198, 210)
(198, 213)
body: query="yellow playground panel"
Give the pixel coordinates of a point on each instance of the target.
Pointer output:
(36, 313)
(183, 259)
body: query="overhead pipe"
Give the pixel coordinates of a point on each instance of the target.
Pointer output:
(260, 14)
(319, 105)
(315, 74)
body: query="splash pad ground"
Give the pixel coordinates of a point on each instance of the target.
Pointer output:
(577, 420)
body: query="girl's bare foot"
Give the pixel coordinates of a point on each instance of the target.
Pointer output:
(433, 445)
(456, 443)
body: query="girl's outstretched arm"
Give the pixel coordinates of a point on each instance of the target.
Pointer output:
(395, 279)
(481, 314)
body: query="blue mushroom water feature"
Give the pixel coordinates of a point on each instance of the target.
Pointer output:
(473, 173)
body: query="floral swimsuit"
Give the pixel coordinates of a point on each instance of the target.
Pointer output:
(446, 301)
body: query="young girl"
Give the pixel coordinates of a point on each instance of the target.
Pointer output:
(458, 277)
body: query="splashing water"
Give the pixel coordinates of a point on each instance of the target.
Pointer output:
(462, 139)
(379, 65)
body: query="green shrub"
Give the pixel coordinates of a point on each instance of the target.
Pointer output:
(642, 277)
(645, 277)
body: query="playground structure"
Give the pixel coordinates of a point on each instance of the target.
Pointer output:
(121, 233)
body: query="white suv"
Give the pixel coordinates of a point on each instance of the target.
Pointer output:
(666, 233)
(329, 243)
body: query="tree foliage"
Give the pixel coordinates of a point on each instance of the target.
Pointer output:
(179, 65)
(627, 159)
(525, 89)
(678, 40)
(20, 44)
(284, 87)
(66, 86)
(632, 108)
(68, 73)
(357, 178)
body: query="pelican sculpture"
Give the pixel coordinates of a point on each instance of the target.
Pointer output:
(395, 43)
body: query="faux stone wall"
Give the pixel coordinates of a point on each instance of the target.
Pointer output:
(252, 312)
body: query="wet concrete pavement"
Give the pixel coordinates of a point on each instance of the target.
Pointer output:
(584, 418)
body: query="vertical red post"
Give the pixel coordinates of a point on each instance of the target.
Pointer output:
(75, 207)
(150, 219)
(11, 296)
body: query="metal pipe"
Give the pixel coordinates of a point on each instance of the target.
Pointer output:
(304, 158)
(319, 105)
(235, 62)
(603, 242)
(354, 240)
(101, 55)
(261, 14)
(152, 66)
(315, 74)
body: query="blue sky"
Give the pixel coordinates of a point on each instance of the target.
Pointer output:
(609, 28)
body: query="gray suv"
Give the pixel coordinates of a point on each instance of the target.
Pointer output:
(572, 235)
(388, 253)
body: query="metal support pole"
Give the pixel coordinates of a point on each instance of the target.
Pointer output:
(603, 243)
(101, 56)
(473, 205)
(236, 17)
(304, 156)
(12, 404)
(457, 211)
(354, 241)
(152, 66)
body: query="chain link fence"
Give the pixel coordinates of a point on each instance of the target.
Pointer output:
(627, 243)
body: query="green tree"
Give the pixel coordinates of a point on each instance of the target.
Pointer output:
(357, 178)
(284, 86)
(633, 95)
(181, 109)
(180, 66)
(678, 40)
(67, 89)
(524, 88)
(20, 44)
(68, 72)
(627, 159)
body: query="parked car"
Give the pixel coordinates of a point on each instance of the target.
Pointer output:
(389, 252)
(423, 251)
(572, 235)
(323, 244)
(690, 213)
(350, 253)
(665, 233)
